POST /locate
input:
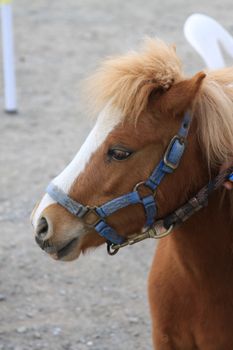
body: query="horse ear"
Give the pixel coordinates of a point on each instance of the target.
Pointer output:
(181, 95)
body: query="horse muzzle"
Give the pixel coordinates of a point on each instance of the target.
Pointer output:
(58, 252)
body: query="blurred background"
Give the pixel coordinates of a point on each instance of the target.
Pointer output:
(98, 302)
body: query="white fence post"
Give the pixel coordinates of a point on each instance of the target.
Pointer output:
(8, 57)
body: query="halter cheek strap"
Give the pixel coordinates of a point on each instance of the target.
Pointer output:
(96, 216)
(172, 156)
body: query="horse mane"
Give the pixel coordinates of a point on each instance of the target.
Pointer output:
(128, 80)
(214, 111)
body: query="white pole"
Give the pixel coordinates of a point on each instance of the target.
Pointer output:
(8, 57)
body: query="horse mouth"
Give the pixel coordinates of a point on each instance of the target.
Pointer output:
(67, 249)
(57, 253)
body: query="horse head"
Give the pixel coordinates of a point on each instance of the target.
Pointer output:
(142, 99)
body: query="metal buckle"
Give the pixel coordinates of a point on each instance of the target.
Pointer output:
(91, 217)
(171, 165)
(159, 231)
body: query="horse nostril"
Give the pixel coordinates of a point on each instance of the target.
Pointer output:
(42, 228)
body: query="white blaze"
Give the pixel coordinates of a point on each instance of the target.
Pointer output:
(106, 122)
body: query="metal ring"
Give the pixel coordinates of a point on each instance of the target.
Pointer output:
(111, 251)
(138, 185)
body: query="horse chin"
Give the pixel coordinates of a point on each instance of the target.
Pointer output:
(68, 252)
(69, 256)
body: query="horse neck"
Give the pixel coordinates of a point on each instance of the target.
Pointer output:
(204, 243)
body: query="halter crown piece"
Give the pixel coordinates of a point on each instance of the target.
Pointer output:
(95, 216)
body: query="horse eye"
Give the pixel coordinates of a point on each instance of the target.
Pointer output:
(119, 154)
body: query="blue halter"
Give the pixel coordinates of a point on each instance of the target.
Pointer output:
(95, 216)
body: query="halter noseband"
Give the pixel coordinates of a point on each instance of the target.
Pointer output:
(95, 216)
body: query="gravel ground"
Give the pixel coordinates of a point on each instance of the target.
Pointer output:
(98, 302)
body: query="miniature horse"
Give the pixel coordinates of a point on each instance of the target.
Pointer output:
(142, 99)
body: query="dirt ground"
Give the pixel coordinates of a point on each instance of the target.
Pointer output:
(98, 302)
